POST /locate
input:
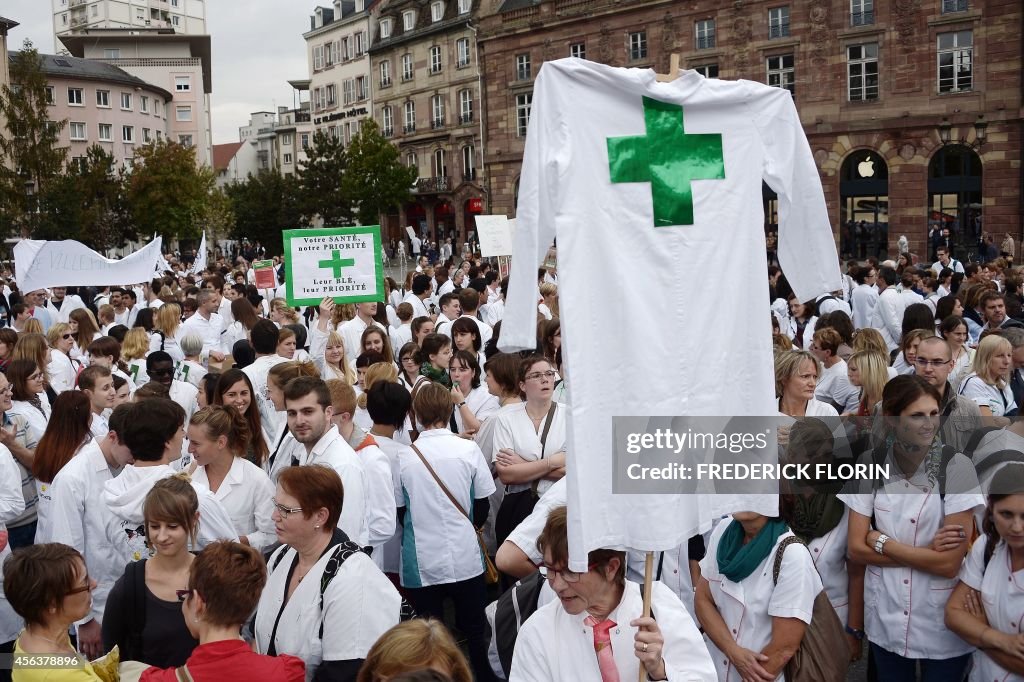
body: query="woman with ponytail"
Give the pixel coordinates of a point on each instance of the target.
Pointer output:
(985, 607)
(218, 440)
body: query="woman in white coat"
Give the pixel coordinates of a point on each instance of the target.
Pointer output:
(473, 402)
(753, 625)
(596, 630)
(796, 377)
(61, 369)
(12, 504)
(218, 438)
(987, 604)
(921, 518)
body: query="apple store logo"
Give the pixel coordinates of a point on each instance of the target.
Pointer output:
(866, 168)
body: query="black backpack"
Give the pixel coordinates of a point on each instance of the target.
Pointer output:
(514, 607)
(817, 305)
(341, 552)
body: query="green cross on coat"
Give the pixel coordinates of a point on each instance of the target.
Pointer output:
(669, 159)
(336, 263)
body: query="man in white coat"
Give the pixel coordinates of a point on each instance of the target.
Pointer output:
(887, 316)
(78, 518)
(308, 405)
(60, 304)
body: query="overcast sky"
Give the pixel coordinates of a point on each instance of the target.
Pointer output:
(257, 49)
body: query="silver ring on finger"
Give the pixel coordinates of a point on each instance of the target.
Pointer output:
(645, 648)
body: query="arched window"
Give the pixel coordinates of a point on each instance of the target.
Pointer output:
(954, 194)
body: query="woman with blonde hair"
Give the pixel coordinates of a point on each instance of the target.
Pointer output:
(988, 384)
(85, 329)
(33, 347)
(281, 313)
(870, 339)
(868, 370)
(168, 331)
(377, 372)
(548, 306)
(61, 369)
(33, 326)
(420, 644)
(134, 351)
(327, 348)
(796, 377)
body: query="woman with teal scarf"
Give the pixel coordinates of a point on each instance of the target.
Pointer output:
(753, 626)
(437, 351)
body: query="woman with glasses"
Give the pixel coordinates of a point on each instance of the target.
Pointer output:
(61, 369)
(473, 402)
(49, 587)
(224, 585)
(912, 530)
(409, 361)
(596, 630)
(325, 601)
(529, 444)
(143, 615)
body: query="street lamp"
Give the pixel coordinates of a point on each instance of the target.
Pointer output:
(945, 129)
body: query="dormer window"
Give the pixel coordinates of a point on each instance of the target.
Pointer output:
(409, 20)
(385, 28)
(436, 11)
(464, 6)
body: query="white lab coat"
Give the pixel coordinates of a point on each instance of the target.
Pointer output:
(63, 371)
(332, 450)
(247, 496)
(747, 607)
(864, 298)
(12, 504)
(481, 403)
(514, 430)
(359, 606)
(887, 316)
(554, 646)
(904, 608)
(387, 556)
(381, 512)
(1002, 597)
(829, 556)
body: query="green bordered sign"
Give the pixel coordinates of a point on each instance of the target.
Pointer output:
(341, 262)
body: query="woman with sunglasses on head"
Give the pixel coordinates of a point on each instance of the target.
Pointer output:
(529, 444)
(61, 369)
(143, 615)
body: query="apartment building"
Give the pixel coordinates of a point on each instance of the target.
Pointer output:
(183, 16)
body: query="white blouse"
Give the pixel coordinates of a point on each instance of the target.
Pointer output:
(246, 494)
(1002, 597)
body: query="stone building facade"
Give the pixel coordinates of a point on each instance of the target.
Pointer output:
(913, 109)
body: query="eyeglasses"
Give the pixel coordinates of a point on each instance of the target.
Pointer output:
(67, 336)
(408, 359)
(36, 377)
(924, 362)
(537, 376)
(182, 595)
(81, 588)
(284, 511)
(567, 575)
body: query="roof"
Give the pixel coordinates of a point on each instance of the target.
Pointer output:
(510, 5)
(7, 24)
(63, 66)
(223, 153)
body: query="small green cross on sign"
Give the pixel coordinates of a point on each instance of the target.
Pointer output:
(669, 159)
(336, 263)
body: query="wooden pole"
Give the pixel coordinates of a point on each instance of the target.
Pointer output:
(648, 576)
(673, 70)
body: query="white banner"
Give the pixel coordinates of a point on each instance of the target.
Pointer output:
(495, 235)
(40, 264)
(200, 263)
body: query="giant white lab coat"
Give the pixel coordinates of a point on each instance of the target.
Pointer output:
(247, 496)
(554, 646)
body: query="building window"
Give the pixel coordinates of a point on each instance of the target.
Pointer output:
(385, 29)
(411, 161)
(956, 61)
(778, 22)
(140, 14)
(106, 132)
(955, 6)
(466, 106)
(362, 88)
(360, 41)
(146, 136)
(159, 135)
(385, 73)
(331, 92)
(110, 53)
(578, 50)
(77, 130)
(182, 83)
(387, 117)
(465, 6)
(407, 70)
(468, 164)
(437, 111)
(75, 97)
(174, 3)
(175, 20)
(409, 20)
(435, 59)
(318, 57)
(183, 113)
(185, 140)
(288, 159)
(103, 98)
(410, 117)
(128, 134)
(436, 11)
(462, 50)
(126, 101)
(523, 72)
(705, 34)
(862, 12)
(304, 140)
(638, 45)
(707, 70)
(523, 103)
(862, 71)
(286, 140)
(330, 54)
(440, 167)
(144, 104)
(781, 73)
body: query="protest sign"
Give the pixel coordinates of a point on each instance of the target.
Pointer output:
(495, 234)
(39, 264)
(343, 263)
(265, 275)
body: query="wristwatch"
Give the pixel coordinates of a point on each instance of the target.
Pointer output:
(459, 405)
(855, 633)
(880, 543)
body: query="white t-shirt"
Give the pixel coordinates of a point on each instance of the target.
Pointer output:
(1000, 401)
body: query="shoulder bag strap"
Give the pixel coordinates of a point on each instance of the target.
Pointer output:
(778, 556)
(444, 488)
(183, 674)
(544, 442)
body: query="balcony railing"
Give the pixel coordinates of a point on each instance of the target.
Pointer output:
(862, 18)
(389, 132)
(433, 185)
(437, 123)
(469, 175)
(466, 117)
(409, 128)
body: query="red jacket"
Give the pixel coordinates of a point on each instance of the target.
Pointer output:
(232, 659)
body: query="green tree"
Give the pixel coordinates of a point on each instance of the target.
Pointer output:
(104, 220)
(320, 176)
(375, 180)
(263, 206)
(30, 159)
(218, 217)
(167, 192)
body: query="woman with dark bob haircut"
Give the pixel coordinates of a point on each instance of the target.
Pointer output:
(48, 586)
(224, 584)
